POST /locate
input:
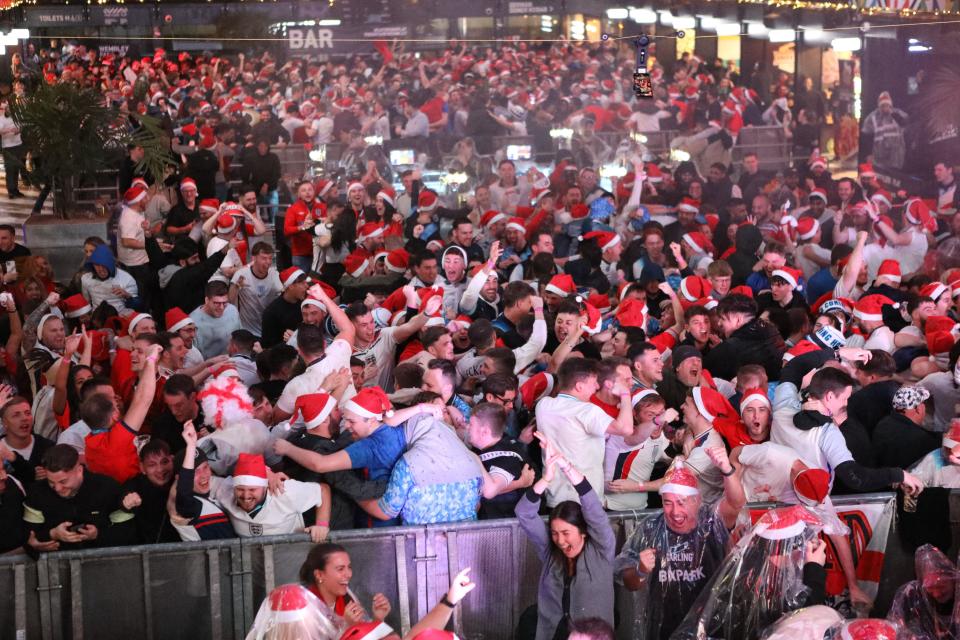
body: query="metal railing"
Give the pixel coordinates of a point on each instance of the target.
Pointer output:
(213, 589)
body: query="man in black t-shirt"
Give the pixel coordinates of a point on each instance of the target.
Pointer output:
(502, 457)
(284, 313)
(10, 250)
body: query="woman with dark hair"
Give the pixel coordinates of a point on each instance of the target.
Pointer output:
(336, 238)
(577, 550)
(326, 573)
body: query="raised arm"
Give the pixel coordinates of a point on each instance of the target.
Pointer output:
(527, 353)
(733, 495)
(146, 389)
(468, 302)
(412, 326)
(852, 269)
(347, 331)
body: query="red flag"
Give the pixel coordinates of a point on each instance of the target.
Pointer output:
(384, 50)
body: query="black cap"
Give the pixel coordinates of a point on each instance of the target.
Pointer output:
(198, 459)
(683, 352)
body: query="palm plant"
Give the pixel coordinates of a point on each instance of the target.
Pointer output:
(73, 133)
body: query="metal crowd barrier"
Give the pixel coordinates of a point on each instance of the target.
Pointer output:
(213, 589)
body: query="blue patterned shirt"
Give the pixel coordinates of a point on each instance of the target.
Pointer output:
(447, 502)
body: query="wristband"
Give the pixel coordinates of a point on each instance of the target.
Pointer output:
(152, 359)
(733, 470)
(446, 602)
(322, 524)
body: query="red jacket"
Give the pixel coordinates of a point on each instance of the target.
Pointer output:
(301, 242)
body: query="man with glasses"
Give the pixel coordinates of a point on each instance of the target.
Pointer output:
(501, 389)
(216, 319)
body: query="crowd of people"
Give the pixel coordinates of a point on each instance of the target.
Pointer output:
(694, 338)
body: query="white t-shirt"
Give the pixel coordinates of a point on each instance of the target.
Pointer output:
(279, 514)
(129, 227)
(76, 436)
(381, 354)
(709, 478)
(805, 264)
(25, 452)
(766, 472)
(254, 296)
(578, 429)
(881, 338)
(335, 356)
(621, 462)
(934, 470)
(97, 291)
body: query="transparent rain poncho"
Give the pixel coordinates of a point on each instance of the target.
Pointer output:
(685, 563)
(291, 612)
(759, 581)
(864, 629)
(809, 623)
(928, 606)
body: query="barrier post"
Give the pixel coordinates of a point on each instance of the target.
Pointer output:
(213, 575)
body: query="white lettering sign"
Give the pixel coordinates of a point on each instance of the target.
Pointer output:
(310, 38)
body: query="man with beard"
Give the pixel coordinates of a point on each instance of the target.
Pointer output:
(747, 340)
(144, 500)
(671, 556)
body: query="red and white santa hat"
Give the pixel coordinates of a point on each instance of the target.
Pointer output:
(818, 193)
(175, 319)
(289, 603)
(812, 486)
(934, 290)
(689, 204)
(134, 194)
(594, 319)
(356, 264)
(250, 471)
(397, 261)
(870, 308)
(791, 275)
(427, 201)
(323, 187)
(209, 205)
(698, 242)
(680, 482)
(290, 276)
(370, 402)
(883, 197)
(632, 313)
(75, 306)
(693, 288)
(785, 523)
(367, 631)
(136, 319)
(890, 271)
(517, 224)
(562, 285)
(754, 395)
(388, 195)
(604, 239)
(807, 227)
(491, 217)
(354, 185)
(369, 230)
(866, 170)
(226, 223)
(819, 161)
(952, 437)
(188, 183)
(710, 403)
(641, 394)
(869, 628)
(314, 408)
(535, 387)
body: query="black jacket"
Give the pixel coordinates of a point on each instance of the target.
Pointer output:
(900, 442)
(748, 240)
(185, 289)
(870, 404)
(202, 166)
(757, 342)
(150, 522)
(260, 170)
(13, 530)
(97, 498)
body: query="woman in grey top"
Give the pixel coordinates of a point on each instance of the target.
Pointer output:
(577, 550)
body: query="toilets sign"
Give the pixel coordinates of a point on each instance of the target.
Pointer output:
(341, 39)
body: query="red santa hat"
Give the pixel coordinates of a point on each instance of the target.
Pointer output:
(742, 290)
(754, 395)
(791, 275)
(250, 471)
(517, 224)
(689, 204)
(491, 217)
(175, 319)
(882, 196)
(290, 276)
(388, 195)
(134, 194)
(594, 319)
(807, 227)
(369, 230)
(367, 631)
(916, 211)
(819, 161)
(226, 223)
(785, 523)
(680, 482)
(354, 185)
(799, 349)
(812, 486)
(711, 404)
(75, 306)
(370, 402)
(604, 239)
(188, 183)
(866, 170)
(427, 201)
(869, 308)
(397, 261)
(934, 290)
(210, 205)
(323, 187)
(818, 193)
(693, 288)
(698, 241)
(314, 408)
(653, 172)
(869, 628)
(641, 394)
(632, 313)
(600, 301)
(356, 264)
(890, 270)
(136, 319)
(940, 334)
(579, 211)
(535, 387)
(562, 285)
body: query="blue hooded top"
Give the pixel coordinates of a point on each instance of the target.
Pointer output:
(103, 257)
